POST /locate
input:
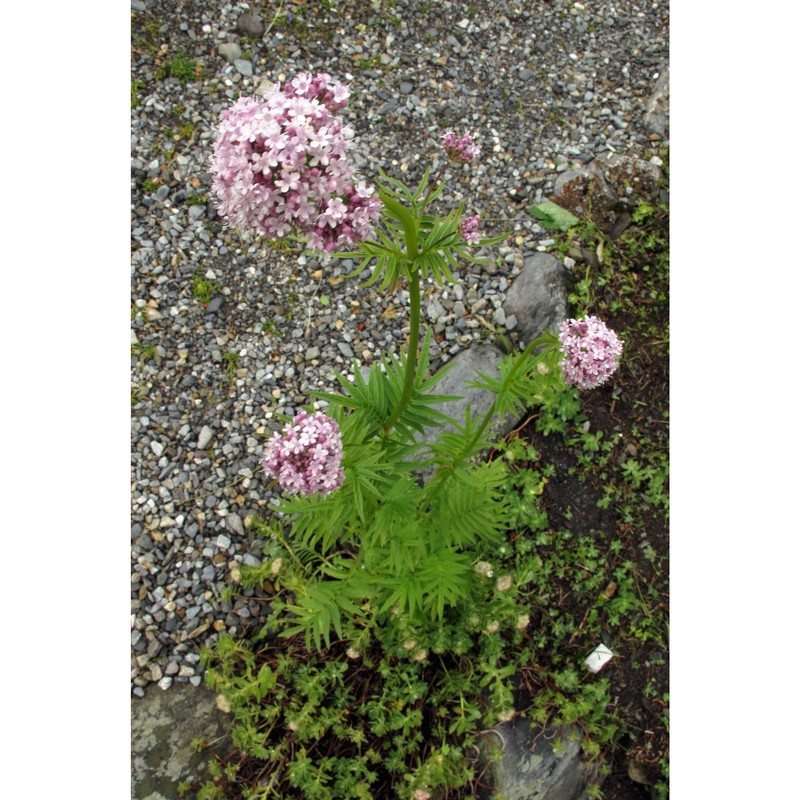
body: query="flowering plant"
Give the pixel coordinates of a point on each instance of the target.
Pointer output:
(389, 538)
(369, 550)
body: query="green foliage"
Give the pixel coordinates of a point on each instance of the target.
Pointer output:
(231, 363)
(203, 289)
(136, 88)
(180, 67)
(412, 241)
(553, 217)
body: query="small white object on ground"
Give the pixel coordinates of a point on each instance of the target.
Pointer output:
(598, 658)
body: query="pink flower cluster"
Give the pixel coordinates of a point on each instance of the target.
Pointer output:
(591, 352)
(468, 228)
(306, 457)
(460, 149)
(280, 165)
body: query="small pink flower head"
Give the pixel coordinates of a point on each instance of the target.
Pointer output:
(468, 228)
(460, 150)
(306, 457)
(591, 352)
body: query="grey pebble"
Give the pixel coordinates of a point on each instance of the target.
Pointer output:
(223, 542)
(243, 67)
(234, 523)
(204, 439)
(230, 51)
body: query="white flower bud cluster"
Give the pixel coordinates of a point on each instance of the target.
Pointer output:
(484, 568)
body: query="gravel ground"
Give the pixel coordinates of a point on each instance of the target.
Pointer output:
(228, 332)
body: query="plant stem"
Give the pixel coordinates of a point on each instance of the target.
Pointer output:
(413, 344)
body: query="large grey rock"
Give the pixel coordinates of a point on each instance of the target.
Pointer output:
(530, 768)
(538, 296)
(483, 358)
(163, 725)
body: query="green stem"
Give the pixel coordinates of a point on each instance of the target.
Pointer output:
(413, 343)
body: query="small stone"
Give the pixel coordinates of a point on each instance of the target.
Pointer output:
(230, 51)
(243, 67)
(234, 523)
(215, 304)
(165, 683)
(204, 438)
(312, 353)
(223, 542)
(157, 448)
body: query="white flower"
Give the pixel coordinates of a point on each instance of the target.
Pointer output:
(484, 568)
(504, 582)
(223, 704)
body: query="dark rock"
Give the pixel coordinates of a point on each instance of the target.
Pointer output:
(538, 296)
(215, 304)
(586, 193)
(624, 172)
(621, 224)
(250, 25)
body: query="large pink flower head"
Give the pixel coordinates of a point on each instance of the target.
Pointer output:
(591, 352)
(280, 165)
(306, 456)
(460, 149)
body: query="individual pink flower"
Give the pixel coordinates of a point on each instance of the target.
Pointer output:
(280, 165)
(468, 228)
(460, 149)
(305, 458)
(591, 352)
